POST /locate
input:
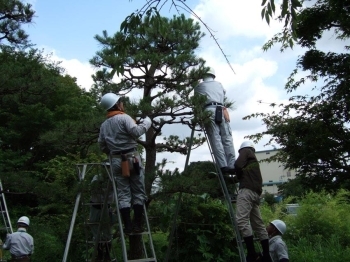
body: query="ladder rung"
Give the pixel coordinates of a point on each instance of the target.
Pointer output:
(93, 242)
(135, 234)
(151, 259)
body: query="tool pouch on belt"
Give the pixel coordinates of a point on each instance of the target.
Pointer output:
(218, 115)
(125, 166)
(136, 165)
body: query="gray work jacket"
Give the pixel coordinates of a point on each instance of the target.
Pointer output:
(19, 243)
(119, 133)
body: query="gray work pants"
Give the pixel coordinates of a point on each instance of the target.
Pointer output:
(221, 142)
(247, 211)
(131, 190)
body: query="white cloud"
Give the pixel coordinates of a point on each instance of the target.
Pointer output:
(228, 18)
(82, 71)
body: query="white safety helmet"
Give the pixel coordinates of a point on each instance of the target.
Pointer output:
(247, 144)
(280, 225)
(109, 100)
(23, 220)
(211, 72)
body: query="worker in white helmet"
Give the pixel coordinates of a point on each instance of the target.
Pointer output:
(248, 214)
(219, 130)
(117, 138)
(101, 218)
(278, 248)
(20, 243)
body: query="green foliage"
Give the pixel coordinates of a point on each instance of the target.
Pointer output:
(203, 231)
(320, 231)
(293, 188)
(13, 14)
(269, 199)
(320, 250)
(313, 130)
(156, 55)
(289, 14)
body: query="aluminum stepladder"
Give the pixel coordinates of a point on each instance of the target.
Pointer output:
(101, 222)
(143, 235)
(83, 169)
(5, 216)
(228, 201)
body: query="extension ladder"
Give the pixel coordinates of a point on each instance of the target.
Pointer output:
(83, 170)
(5, 217)
(228, 201)
(227, 198)
(4, 212)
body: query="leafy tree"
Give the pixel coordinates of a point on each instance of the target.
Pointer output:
(13, 14)
(37, 102)
(313, 130)
(294, 188)
(159, 60)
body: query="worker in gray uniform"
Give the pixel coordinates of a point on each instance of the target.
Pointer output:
(101, 218)
(218, 130)
(278, 248)
(117, 138)
(20, 243)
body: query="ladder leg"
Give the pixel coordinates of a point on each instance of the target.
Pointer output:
(142, 212)
(228, 202)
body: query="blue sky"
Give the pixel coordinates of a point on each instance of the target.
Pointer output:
(67, 28)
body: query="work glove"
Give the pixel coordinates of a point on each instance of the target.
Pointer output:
(147, 121)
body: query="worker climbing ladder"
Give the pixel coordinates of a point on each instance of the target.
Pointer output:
(100, 245)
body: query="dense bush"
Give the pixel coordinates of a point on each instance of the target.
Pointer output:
(320, 231)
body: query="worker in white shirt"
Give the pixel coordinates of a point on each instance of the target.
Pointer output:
(278, 248)
(20, 243)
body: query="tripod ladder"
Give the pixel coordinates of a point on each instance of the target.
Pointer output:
(105, 220)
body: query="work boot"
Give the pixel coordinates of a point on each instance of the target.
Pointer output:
(252, 256)
(125, 214)
(227, 170)
(266, 250)
(138, 217)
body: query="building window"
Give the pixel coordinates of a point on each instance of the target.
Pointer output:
(289, 174)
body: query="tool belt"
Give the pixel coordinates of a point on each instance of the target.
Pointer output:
(133, 153)
(127, 151)
(213, 104)
(24, 258)
(129, 163)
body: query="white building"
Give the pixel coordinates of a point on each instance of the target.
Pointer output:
(273, 173)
